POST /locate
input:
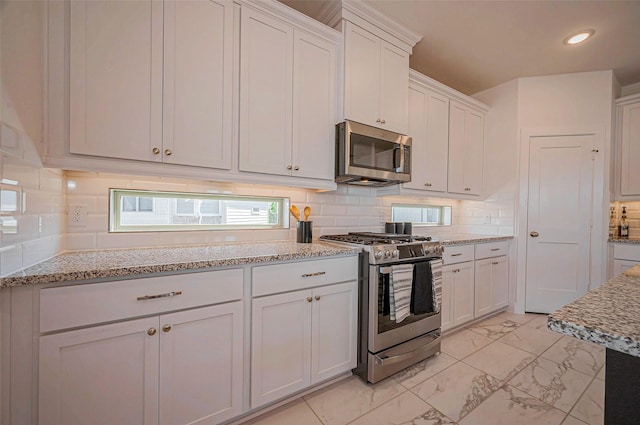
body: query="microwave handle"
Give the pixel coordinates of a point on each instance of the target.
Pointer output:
(396, 157)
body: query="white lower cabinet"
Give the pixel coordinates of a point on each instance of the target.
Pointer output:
(491, 285)
(625, 256)
(304, 325)
(300, 338)
(173, 368)
(475, 281)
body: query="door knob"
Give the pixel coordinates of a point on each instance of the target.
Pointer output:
(534, 234)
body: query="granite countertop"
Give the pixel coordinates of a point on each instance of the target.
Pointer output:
(632, 241)
(608, 315)
(459, 239)
(83, 265)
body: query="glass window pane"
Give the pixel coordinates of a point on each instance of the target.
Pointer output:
(422, 215)
(145, 204)
(129, 203)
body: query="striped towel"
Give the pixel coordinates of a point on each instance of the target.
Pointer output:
(400, 281)
(436, 278)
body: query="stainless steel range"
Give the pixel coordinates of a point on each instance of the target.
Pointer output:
(393, 334)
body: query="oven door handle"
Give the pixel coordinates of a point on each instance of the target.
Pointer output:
(385, 361)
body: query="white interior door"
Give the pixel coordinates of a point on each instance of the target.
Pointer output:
(559, 220)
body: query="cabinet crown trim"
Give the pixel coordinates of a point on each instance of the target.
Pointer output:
(416, 77)
(632, 98)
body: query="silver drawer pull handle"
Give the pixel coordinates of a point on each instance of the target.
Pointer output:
(495, 249)
(456, 255)
(313, 274)
(495, 263)
(152, 297)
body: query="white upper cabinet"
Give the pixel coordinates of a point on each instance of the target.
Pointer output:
(376, 80)
(198, 66)
(429, 129)
(287, 99)
(152, 81)
(466, 137)
(628, 117)
(115, 78)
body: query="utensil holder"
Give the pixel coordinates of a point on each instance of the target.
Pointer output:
(304, 232)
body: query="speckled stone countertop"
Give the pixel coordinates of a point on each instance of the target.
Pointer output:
(83, 265)
(608, 315)
(632, 241)
(459, 239)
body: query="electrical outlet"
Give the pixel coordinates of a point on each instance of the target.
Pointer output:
(77, 216)
(487, 219)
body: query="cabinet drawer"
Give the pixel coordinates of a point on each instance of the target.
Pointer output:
(457, 254)
(492, 249)
(623, 251)
(81, 305)
(301, 275)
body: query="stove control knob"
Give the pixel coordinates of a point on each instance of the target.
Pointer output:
(396, 253)
(379, 255)
(387, 254)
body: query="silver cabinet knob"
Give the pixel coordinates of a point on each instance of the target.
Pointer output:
(378, 120)
(317, 297)
(151, 331)
(383, 122)
(534, 234)
(156, 151)
(289, 167)
(296, 168)
(309, 299)
(167, 152)
(166, 328)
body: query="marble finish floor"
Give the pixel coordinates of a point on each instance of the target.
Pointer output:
(508, 369)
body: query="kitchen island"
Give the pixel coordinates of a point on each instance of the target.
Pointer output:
(610, 316)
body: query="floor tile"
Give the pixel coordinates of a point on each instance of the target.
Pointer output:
(463, 343)
(495, 327)
(515, 317)
(509, 406)
(294, 413)
(601, 374)
(404, 410)
(570, 420)
(530, 339)
(590, 407)
(345, 401)
(585, 357)
(457, 390)
(538, 322)
(413, 375)
(552, 383)
(500, 360)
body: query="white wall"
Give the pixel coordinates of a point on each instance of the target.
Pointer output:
(350, 208)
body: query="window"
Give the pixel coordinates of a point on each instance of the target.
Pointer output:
(139, 211)
(422, 215)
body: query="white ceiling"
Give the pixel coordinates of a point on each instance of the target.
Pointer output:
(475, 45)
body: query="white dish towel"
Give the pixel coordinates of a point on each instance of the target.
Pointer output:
(400, 282)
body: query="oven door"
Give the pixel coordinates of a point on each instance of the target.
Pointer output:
(384, 332)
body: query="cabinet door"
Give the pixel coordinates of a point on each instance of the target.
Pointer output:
(266, 68)
(334, 330)
(394, 88)
(101, 375)
(115, 78)
(446, 312)
(462, 293)
(483, 287)
(314, 99)
(198, 51)
(629, 170)
(362, 76)
(280, 345)
(620, 266)
(466, 136)
(201, 360)
(499, 282)
(429, 129)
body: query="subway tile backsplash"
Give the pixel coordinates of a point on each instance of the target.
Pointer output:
(349, 208)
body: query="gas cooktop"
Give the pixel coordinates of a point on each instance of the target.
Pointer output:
(386, 248)
(372, 238)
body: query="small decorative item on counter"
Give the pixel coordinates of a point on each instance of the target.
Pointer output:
(613, 223)
(624, 224)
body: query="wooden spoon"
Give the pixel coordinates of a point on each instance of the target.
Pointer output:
(307, 213)
(294, 212)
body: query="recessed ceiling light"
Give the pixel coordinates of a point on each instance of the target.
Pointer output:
(579, 37)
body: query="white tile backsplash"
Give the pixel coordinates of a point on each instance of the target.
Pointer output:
(349, 208)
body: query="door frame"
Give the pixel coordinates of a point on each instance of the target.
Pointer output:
(600, 204)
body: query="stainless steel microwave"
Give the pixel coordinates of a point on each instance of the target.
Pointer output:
(371, 156)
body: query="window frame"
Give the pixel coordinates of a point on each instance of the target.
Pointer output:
(443, 214)
(115, 211)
